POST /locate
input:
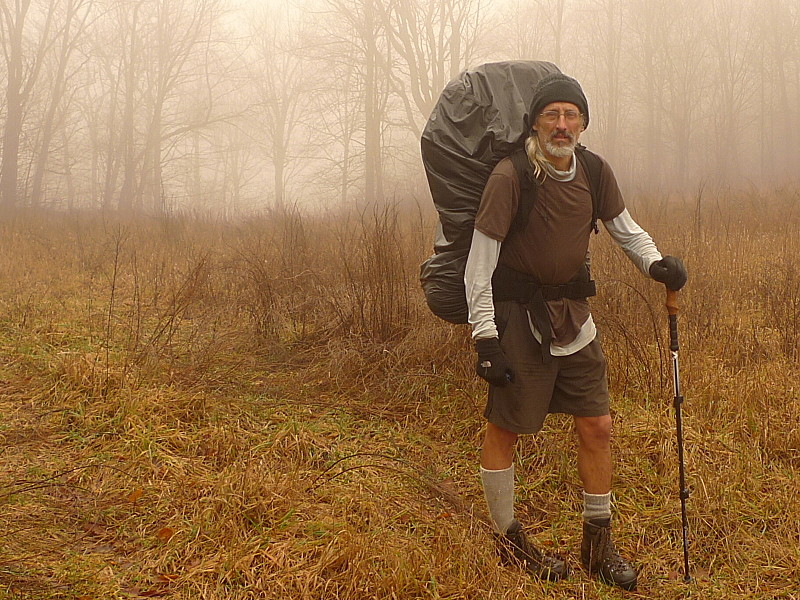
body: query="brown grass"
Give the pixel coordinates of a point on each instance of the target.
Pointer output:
(197, 409)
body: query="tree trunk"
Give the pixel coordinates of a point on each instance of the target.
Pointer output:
(56, 97)
(372, 123)
(11, 134)
(14, 110)
(68, 178)
(127, 192)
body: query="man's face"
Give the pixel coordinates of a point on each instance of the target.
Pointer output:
(558, 127)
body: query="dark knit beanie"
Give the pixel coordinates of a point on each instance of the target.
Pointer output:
(558, 87)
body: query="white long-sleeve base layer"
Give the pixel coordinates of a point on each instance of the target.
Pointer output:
(482, 261)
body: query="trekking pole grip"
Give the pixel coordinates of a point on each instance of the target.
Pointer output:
(672, 310)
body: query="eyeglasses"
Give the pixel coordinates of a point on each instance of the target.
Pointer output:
(552, 116)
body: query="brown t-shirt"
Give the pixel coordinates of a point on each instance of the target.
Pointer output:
(554, 244)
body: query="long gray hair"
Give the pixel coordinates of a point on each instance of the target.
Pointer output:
(536, 157)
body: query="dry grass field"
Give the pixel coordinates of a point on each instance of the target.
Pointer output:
(193, 409)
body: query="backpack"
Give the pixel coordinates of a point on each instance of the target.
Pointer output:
(480, 118)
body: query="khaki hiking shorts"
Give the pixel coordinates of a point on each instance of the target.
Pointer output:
(574, 385)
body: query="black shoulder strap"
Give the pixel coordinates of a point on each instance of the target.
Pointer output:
(592, 164)
(527, 188)
(528, 185)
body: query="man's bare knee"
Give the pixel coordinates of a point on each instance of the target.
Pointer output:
(594, 432)
(498, 447)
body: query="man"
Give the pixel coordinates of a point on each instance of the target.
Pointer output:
(538, 350)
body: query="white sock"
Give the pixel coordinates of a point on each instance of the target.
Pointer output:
(596, 506)
(498, 487)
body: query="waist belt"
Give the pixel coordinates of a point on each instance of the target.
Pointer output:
(508, 284)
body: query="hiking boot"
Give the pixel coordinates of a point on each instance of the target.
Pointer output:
(515, 549)
(600, 557)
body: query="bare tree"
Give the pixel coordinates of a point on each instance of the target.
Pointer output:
(664, 80)
(519, 33)
(604, 24)
(646, 24)
(72, 18)
(179, 35)
(372, 30)
(340, 120)
(236, 170)
(735, 80)
(432, 42)
(101, 105)
(535, 30)
(361, 35)
(682, 68)
(280, 75)
(779, 69)
(129, 69)
(553, 12)
(155, 63)
(26, 39)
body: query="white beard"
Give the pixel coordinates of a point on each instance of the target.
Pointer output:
(561, 151)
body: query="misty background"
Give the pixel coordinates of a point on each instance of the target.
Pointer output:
(235, 107)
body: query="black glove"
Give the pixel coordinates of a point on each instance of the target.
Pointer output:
(669, 271)
(493, 365)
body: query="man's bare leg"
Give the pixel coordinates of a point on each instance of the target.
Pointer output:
(598, 553)
(497, 451)
(497, 475)
(594, 453)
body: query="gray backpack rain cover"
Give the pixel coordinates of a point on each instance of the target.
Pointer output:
(480, 118)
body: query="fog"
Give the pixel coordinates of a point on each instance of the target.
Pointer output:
(235, 107)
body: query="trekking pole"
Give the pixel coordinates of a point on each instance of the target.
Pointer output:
(672, 310)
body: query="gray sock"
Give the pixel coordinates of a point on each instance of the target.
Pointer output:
(498, 487)
(596, 506)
